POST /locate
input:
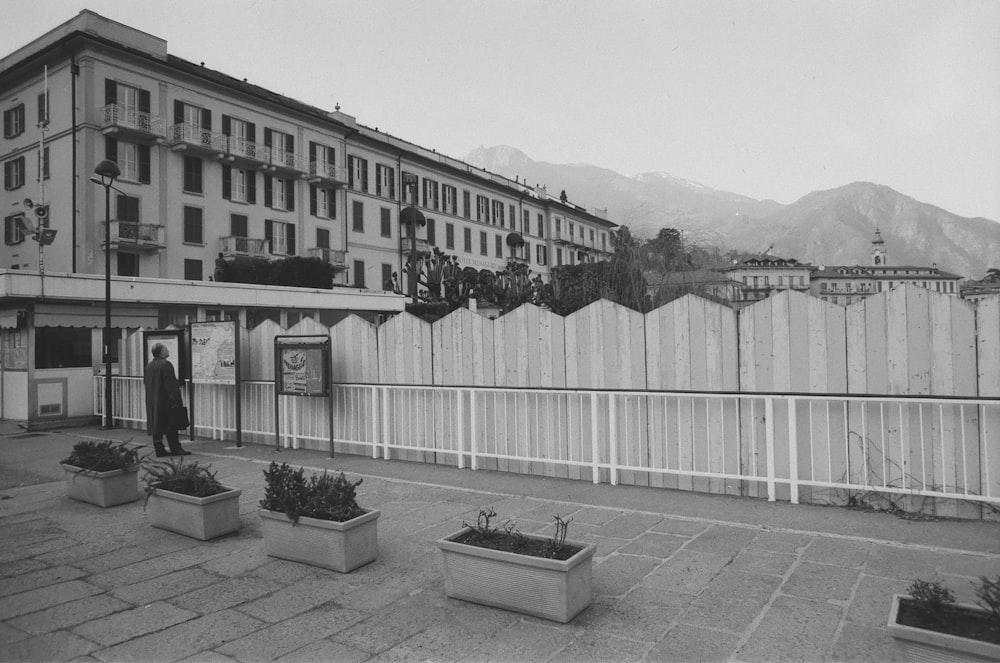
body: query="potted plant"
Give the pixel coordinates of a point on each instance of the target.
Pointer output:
(317, 520)
(102, 472)
(187, 498)
(929, 625)
(534, 575)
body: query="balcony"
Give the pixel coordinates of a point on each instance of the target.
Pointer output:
(244, 247)
(287, 163)
(423, 246)
(327, 174)
(243, 152)
(129, 124)
(338, 259)
(132, 234)
(195, 140)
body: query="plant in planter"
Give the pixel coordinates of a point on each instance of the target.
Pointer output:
(501, 567)
(187, 498)
(103, 473)
(317, 520)
(929, 625)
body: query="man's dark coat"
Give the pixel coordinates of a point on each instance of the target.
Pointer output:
(162, 392)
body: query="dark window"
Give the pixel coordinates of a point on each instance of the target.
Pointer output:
(386, 222)
(13, 121)
(431, 232)
(359, 273)
(541, 227)
(43, 108)
(387, 277)
(192, 270)
(12, 233)
(13, 174)
(128, 264)
(483, 243)
(467, 204)
(193, 226)
(358, 222)
(322, 238)
(467, 236)
(63, 347)
(192, 175)
(499, 246)
(238, 225)
(127, 208)
(358, 173)
(449, 236)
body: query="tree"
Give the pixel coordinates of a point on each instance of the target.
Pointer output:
(992, 275)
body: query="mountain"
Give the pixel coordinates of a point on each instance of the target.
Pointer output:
(830, 227)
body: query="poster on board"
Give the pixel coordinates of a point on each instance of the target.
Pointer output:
(173, 340)
(301, 367)
(213, 352)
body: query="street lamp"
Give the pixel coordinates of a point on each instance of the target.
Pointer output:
(107, 171)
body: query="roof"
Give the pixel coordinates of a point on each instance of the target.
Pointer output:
(882, 272)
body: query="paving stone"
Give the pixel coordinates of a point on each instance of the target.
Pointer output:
(731, 602)
(184, 639)
(861, 643)
(76, 555)
(870, 604)
(133, 623)
(524, 640)
(687, 572)
(594, 515)
(722, 540)
(224, 594)
(40, 578)
(10, 634)
(618, 574)
(284, 637)
(69, 614)
(287, 572)
(59, 646)
(239, 562)
(117, 558)
(324, 651)
(839, 552)
(208, 657)
(21, 566)
(780, 542)
(44, 597)
(164, 587)
(762, 561)
(601, 648)
(654, 544)
(629, 525)
(904, 563)
(297, 598)
(681, 527)
(793, 629)
(643, 615)
(692, 644)
(32, 550)
(821, 582)
(435, 643)
(382, 588)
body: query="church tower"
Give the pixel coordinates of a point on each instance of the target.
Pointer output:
(879, 255)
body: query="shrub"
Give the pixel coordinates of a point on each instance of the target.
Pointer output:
(325, 496)
(184, 478)
(988, 593)
(931, 598)
(102, 456)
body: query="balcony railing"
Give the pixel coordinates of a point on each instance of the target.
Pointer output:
(248, 247)
(243, 149)
(423, 246)
(320, 171)
(288, 161)
(117, 118)
(332, 256)
(192, 137)
(147, 236)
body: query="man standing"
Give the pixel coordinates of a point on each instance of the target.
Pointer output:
(162, 394)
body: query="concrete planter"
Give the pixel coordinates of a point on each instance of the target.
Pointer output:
(548, 588)
(200, 518)
(340, 547)
(922, 645)
(102, 488)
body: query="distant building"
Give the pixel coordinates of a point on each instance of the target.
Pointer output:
(703, 282)
(760, 277)
(987, 287)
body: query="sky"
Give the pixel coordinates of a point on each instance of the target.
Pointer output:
(768, 99)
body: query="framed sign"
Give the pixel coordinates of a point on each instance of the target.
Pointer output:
(173, 339)
(214, 352)
(302, 366)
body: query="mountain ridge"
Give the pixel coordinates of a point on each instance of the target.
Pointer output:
(829, 227)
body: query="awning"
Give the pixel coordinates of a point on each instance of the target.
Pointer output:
(69, 315)
(8, 317)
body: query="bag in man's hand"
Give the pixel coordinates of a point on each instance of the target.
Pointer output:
(179, 417)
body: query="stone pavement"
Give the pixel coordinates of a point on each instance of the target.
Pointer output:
(677, 576)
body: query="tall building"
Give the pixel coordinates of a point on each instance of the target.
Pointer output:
(212, 164)
(762, 276)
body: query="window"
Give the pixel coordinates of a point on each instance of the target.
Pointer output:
(194, 231)
(385, 181)
(358, 174)
(498, 213)
(359, 273)
(499, 246)
(13, 174)
(43, 109)
(541, 227)
(431, 234)
(63, 347)
(513, 217)
(542, 256)
(483, 243)
(281, 237)
(322, 159)
(279, 193)
(128, 264)
(238, 225)
(467, 236)
(450, 196)
(358, 216)
(449, 236)
(322, 202)
(242, 137)
(239, 185)
(386, 222)
(387, 277)
(192, 175)
(482, 209)
(559, 257)
(591, 235)
(526, 221)
(410, 183)
(12, 232)
(322, 238)
(467, 204)
(13, 121)
(192, 270)
(430, 200)
(127, 208)
(282, 146)
(133, 160)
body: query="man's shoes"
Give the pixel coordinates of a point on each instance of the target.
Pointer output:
(162, 454)
(182, 452)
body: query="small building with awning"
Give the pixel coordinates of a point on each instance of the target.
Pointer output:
(51, 327)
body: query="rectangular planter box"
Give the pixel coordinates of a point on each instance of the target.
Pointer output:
(922, 645)
(200, 518)
(102, 488)
(548, 588)
(330, 545)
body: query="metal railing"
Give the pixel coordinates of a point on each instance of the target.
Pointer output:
(195, 135)
(246, 149)
(332, 256)
(328, 171)
(133, 232)
(118, 115)
(289, 160)
(794, 447)
(244, 246)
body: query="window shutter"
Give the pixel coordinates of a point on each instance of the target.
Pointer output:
(290, 194)
(6, 175)
(110, 91)
(364, 176)
(350, 171)
(312, 152)
(144, 101)
(269, 234)
(267, 137)
(226, 125)
(290, 144)
(43, 111)
(144, 164)
(227, 183)
(267, 191)
(6, 124)
(206, 119)
(392, 184)
(252, 186)
(111, 149)
(178, 112)
(251, 132)
(312, 200)
(291, 239)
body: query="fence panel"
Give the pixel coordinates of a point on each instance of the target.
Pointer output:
(405, 347)
(463, 351)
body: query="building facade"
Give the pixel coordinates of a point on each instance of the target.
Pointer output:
(759, 278)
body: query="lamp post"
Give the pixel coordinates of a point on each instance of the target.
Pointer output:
(107, 171)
